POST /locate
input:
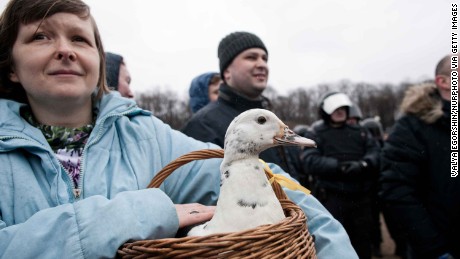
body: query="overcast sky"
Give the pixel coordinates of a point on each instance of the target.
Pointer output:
(167, 43)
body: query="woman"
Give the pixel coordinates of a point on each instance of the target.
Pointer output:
(204, 88)
(118, 76)
(75, 159)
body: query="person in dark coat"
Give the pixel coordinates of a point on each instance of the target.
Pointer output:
(345, 166)
(375, 128)
(420, 196)
(355, 115)
(204, 89)
(244, 70)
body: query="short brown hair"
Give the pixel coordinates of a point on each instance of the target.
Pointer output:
(214, 79)
(25, 12)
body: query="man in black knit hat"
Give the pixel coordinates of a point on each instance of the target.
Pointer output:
(243, 68)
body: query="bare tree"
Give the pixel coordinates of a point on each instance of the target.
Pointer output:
(299, 106)
(166, 106)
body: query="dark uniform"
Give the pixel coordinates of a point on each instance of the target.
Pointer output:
(345, 193)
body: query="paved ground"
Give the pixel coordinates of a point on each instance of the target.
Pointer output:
(388, 246)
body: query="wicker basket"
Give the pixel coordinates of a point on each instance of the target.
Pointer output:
(287, 239)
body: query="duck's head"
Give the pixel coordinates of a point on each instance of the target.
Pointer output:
(255, 130)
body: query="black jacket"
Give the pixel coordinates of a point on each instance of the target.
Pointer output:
(341, 144)
(211, 122)
(416, 187)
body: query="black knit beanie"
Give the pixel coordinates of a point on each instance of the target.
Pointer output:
(112, 69)
(233, 44)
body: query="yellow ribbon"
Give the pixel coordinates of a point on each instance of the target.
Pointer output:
(283, 180)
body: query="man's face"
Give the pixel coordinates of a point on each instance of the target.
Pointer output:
(443, 82)
(248, 72)
(353, 121)
(339, 115)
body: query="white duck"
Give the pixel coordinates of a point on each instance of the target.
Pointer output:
(246, 198)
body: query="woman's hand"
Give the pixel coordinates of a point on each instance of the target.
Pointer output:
(193, 213)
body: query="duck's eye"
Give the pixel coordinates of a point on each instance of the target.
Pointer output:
(261, 120)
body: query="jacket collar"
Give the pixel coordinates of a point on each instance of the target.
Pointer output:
(232, 98)
(12, 125)
(424, 102)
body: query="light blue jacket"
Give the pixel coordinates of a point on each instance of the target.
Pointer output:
(40, 218)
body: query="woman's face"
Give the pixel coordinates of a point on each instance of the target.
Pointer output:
(56, 60)
(124, 80)
(213, 91)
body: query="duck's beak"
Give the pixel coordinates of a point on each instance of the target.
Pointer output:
(288, 137)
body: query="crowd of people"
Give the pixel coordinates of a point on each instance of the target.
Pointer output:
(76, 157)
(359, 171)
(76, 152)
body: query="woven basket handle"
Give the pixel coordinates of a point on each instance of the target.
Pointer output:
(199, 155)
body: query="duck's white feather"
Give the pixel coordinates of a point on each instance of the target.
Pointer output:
(246, 198)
